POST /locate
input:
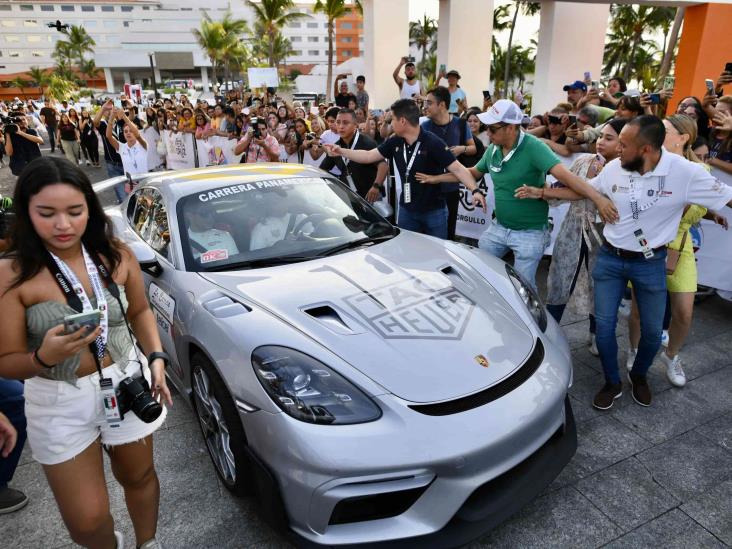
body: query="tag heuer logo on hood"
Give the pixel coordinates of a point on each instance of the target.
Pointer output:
(483, 361)
(425, 308)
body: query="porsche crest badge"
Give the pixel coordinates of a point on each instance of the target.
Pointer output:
(482, 360)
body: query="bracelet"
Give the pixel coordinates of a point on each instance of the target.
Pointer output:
(376, 185)
(477, 190)
(159, 355)
(34, 356)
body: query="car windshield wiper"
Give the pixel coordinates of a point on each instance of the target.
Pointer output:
(262, 262)
(355, 244)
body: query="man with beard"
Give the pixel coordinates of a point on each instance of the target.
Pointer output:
(650, 188)
(365, 179)
(410, 86)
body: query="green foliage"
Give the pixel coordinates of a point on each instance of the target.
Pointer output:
(629, 50)
(423, 35)
(271, 16)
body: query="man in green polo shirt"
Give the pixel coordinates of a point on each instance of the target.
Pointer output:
(515, 158)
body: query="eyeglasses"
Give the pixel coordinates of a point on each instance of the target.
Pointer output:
(427, 102)
(493, 128)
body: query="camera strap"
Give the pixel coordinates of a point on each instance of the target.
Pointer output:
(78, 300)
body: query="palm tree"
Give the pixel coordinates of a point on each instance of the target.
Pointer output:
(273, 15)
(89, 68)
(262, 46)
(20, 83)
(670, 46)
(422, 34)
(627, 26)
(500, 24)
(527, 8)
(39, 76)
(212, 39)
(80, 43)
(332, 9)
(233, 30)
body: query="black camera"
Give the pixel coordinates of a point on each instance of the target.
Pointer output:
(133, 393)
(310, 136)
(256, 132)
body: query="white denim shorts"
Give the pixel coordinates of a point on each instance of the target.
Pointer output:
(64, 420)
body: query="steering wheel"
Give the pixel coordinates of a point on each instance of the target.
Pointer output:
(315, 218)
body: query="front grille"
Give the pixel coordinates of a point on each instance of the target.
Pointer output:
(374, 507)
(488, 395)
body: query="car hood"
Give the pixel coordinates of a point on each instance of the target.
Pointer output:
(408, 313)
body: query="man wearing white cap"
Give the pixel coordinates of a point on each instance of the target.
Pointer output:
(513, 159)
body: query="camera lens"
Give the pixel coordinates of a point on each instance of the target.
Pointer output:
(136, 392)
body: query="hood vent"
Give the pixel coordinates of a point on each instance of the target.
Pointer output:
(330, 318)
(224, 307)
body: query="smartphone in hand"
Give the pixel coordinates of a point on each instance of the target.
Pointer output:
(710, 86)
(90, 320)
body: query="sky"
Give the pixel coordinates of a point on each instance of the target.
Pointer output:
(526, 27)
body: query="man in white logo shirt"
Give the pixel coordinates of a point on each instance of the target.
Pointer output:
(650, 188)
(134, 151)
(207, 242)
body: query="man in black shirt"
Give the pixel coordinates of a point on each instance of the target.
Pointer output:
(342, 95)
(421, 206)
(22, 144)
(49, 117)
(365, 179)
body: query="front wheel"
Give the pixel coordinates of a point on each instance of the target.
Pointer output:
(221, 427)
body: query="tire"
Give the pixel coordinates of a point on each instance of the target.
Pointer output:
(221, 427)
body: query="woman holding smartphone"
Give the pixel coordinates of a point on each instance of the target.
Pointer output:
(61, 227)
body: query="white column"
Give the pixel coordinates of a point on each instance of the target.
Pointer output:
(562, 58)
(126, 77)
(464, 44)
(204, 80)
(386, 40)
(109, 79)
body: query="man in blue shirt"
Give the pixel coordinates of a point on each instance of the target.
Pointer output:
(421, 206)
(456, 133)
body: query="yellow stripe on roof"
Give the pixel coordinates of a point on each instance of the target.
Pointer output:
(251, 171)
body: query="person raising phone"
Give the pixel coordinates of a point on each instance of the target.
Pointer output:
(64, 260)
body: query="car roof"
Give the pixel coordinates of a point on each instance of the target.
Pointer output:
(179, 183)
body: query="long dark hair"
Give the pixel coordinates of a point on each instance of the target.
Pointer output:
(26, 247)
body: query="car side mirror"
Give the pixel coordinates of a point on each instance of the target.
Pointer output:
(146, 258)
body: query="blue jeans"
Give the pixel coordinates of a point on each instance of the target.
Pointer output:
(527, 246)
(648, 276)
(12, 404)
(114, 170)
(51, 137)
(431, 222)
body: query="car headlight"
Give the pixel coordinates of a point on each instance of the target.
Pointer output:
(308, 390)
(529, 296)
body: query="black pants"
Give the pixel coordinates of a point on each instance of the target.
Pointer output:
(453, 203)
(90, 145)
(558, 310)
(51, 137)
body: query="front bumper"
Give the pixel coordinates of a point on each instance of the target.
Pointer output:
(496, 500)
(466, 471)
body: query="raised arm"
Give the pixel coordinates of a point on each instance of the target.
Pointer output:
(108, 133)
(135, 130)
(395, 75)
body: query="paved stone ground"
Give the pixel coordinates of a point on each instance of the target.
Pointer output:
(642, 477)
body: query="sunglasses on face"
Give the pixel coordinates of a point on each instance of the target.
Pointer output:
(493, 128)
(554, 120)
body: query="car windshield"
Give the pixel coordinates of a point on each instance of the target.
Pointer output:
(274, 222)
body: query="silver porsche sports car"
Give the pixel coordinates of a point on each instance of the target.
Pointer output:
(368, 385)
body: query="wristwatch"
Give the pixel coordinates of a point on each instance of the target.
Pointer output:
(477, 190)
(376, 185)
(159, 354)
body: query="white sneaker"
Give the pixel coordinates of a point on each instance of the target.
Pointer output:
(151, 544)
(631, 358)
(593, 346)
(664, 338)
(674, 372)
(88, 163)
(120, 537)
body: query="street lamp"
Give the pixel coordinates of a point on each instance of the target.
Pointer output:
(154, 83)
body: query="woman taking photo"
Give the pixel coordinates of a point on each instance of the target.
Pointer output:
(681, 283)
(134, 150)
(63, 253)
(67, 133)
(89, 140)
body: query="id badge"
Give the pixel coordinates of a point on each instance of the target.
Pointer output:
(109, 402)
(407, 193)
(645, 248)
(351, 183)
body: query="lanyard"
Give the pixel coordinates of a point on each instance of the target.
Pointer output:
(353, 146)
(411, 159)
(77, 298)
(506, 158)
(634, 196)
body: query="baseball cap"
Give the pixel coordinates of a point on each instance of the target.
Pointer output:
(576, 85)
(503, 110)
(454, 73)
(245, 111)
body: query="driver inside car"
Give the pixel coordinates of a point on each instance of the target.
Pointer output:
(277, 223)
(204, 237)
